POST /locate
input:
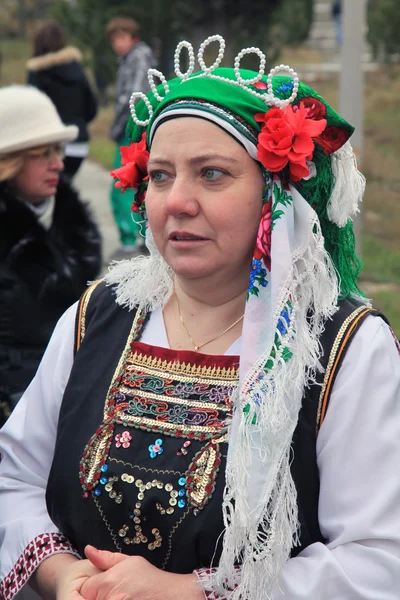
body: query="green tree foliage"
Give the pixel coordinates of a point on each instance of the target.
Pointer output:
(384, 27)
(269, 24)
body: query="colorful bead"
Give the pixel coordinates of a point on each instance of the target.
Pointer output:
(182, 492)
(97, 492)
(103, 480)
(181, 503)
(104, 468)
(182, 481)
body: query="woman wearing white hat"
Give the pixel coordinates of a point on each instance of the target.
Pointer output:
(49, 245)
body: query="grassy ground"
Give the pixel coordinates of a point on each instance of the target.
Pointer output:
(381, 165)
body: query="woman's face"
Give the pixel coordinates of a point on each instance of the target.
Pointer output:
(39, 175)
(204, 200)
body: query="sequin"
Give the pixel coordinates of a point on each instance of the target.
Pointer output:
(148, 485)
(172, 502)
(169, 487)
(186, 444)
(127, 540)
(104, 468)
(174, 494)
(118, 499)
(160, 485)
(97, 492)
(122, 532)
(139, 482)
(156, 448)
(103, 480)
(140, 495)
(124, 477)
(169, 510)
(182, 492)
(113, 494)
(181, 503)
(182, 480)
(154, 483)
(130, 479)
(155, 531)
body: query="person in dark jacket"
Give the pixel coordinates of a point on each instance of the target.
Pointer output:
(56, 70)
(50, 246)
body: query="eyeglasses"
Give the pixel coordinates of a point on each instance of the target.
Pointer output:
(48, 153)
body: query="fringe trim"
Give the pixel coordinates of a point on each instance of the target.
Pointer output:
(349, 186)
(144, 281)
(262, 538)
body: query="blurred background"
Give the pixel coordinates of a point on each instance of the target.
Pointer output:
(306, 34)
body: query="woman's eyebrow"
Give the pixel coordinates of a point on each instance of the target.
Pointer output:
(199, 159)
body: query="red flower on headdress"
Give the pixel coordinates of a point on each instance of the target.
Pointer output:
(286, 138)
(315, 108)
(134, 159)
(263, 243)
(332, 139)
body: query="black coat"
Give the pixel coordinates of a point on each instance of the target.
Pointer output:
(61, 77)
(42, 272)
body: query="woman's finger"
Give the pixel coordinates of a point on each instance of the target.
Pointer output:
(103, 559)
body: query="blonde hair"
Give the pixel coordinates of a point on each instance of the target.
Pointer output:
(11, 165)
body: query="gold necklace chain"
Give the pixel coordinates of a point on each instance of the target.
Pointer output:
(198, 346)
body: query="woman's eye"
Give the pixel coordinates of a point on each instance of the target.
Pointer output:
(212, 174)
(158, 176)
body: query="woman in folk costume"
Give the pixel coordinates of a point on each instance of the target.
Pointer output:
(229, 420)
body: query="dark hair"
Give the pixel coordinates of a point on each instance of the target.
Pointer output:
(125, 24)
(49, 38)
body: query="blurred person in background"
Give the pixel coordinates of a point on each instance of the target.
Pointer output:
(49, 244)
(56, 70)
(135, 59)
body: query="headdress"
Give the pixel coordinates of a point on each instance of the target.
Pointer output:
(303, 260)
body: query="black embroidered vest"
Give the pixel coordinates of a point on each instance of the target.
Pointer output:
(141, 444)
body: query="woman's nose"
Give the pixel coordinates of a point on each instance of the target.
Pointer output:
(56, 163)
(182, 198)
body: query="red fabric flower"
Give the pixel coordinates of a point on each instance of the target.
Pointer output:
(286, 138)
(263, 243)
(315, 108)
(332, 139)
(134, 159)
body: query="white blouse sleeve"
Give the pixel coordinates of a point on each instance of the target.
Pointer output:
(358, 453)
(27, 440)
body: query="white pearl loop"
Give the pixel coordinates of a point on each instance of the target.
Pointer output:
(261, 69)
(278, 69)
(143, 97)
(151, 73)
(177, 60)
(221, 51)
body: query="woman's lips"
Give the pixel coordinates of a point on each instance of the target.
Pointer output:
(184, 239)
(52, 182)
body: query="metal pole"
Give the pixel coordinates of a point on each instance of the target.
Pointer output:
(351, 99)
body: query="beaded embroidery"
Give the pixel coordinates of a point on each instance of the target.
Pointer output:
(166, 399)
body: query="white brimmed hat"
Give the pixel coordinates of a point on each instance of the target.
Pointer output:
(28, 118)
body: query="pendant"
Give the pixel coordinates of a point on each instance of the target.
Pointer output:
(196, 348)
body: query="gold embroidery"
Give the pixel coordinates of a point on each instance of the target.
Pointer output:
(174, 400)
(201, 475)
(107, 524)
(182, 368)
(153, 425)
(332, 358)
(83, 308)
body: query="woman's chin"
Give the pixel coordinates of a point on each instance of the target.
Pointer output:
(190, 268)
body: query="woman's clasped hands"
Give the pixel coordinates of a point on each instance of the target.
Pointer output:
(114, 576)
